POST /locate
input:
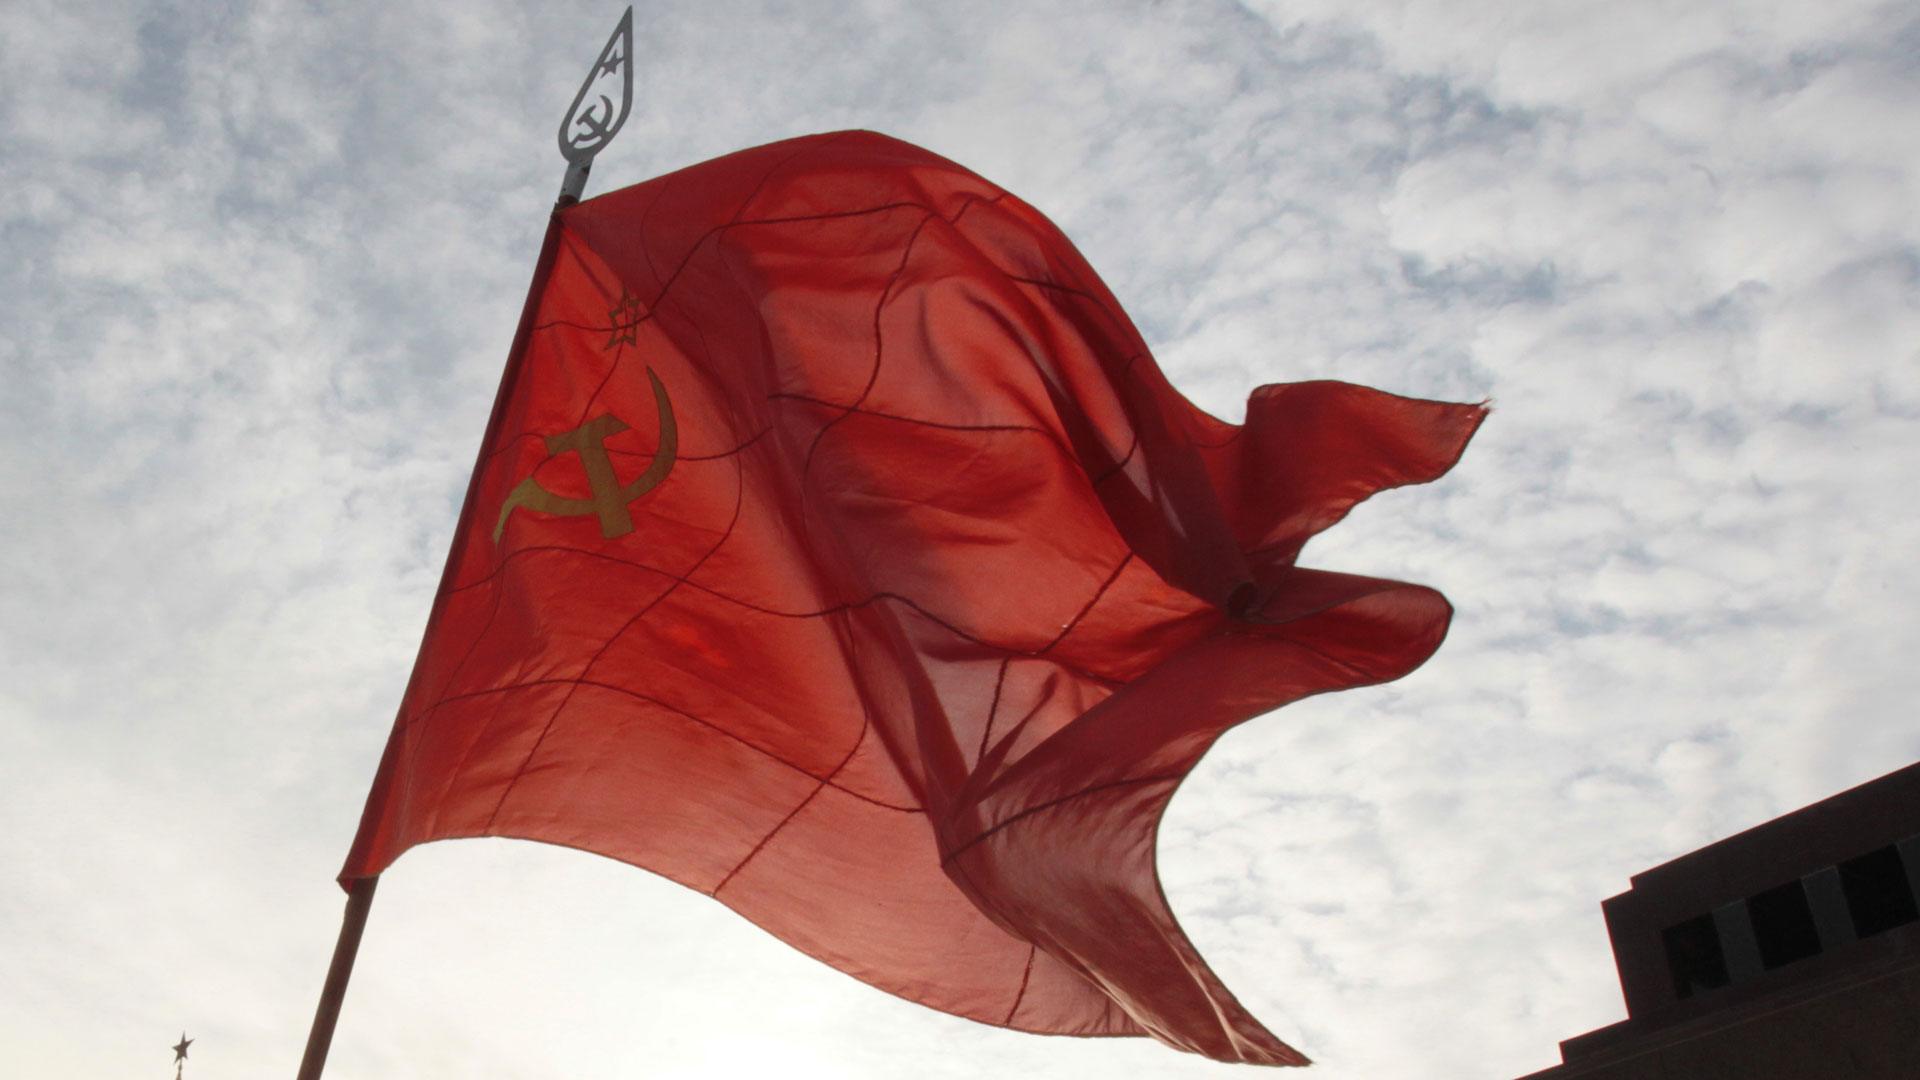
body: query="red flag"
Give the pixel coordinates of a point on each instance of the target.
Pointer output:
(837, 550)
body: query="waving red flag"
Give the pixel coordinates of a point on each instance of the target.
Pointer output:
(838, 550)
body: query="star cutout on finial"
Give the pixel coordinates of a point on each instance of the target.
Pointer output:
(608, 66)
(180, 1048)
(625, 317)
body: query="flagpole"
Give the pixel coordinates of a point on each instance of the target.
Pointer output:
(360, 890)
(590, 123)
(359, 902)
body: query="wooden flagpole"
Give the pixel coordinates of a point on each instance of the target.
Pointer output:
(359, 902)
(590, 123)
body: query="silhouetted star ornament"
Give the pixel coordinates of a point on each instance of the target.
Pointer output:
(180, 1048)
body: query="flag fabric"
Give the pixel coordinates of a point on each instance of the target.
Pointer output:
(837, 549)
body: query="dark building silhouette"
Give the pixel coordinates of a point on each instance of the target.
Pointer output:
(1791, 950)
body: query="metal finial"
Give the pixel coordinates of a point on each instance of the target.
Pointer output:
(593, 118)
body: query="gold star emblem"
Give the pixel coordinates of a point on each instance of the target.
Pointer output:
(625, 317)
(180, 1048)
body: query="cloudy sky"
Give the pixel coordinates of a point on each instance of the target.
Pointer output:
(262, 264)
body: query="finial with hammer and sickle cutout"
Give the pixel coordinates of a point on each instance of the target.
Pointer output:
(593, 118)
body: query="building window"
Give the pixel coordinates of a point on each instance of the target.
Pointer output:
(1783, 925)
(1878, 894)
(1694, 956)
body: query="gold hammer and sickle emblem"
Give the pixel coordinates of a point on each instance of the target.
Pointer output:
(610, 497)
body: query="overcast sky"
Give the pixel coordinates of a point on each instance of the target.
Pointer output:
(260, 265)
